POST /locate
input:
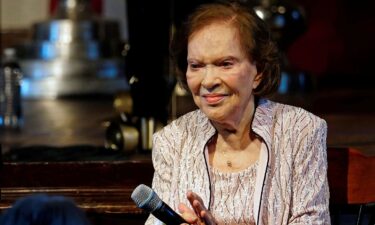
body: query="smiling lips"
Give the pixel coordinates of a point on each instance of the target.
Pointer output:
(213, 98)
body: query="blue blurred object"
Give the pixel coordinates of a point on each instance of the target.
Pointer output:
(44, 209)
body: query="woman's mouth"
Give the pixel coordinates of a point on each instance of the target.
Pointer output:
(213, 98)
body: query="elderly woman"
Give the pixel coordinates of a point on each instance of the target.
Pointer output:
(239, 158)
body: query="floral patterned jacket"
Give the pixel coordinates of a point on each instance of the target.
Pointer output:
(291, 183)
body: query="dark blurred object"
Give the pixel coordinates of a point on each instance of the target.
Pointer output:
(10, 90)
(339, 42)
(74, 10)
(287, 21)
(44, 209)
(128, 132)
(43, 153)
(75, 52)
(147, 61)
(96, 6)
(131, 134)
(148, 126)
(295, 82)
(122, 135)
(151, 95)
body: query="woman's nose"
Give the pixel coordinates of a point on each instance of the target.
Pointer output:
(210, 79)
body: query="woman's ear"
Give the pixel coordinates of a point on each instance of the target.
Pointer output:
(257, 80)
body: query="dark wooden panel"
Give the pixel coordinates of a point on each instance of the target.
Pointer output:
(97, 187)
(351, 176)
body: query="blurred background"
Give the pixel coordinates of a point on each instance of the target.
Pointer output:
(103, 46)
(91, 80)
(327, 45)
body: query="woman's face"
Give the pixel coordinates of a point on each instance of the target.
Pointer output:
(219, 74)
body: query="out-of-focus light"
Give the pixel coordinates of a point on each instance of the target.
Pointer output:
(302, 79)
(71, 3)
(295, 14)
(57, 69)
(54, 32)
(47, 51)
(281, 9)
(260, 13)
(25, 87)
(284, 83)
(279, 21)
(108, 70)
(93, 51)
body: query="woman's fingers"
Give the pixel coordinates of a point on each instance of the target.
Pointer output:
(204, 216)
(207, 216)
(193, 196)
(187, 214)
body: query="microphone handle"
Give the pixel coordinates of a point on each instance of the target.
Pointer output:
(168, 215)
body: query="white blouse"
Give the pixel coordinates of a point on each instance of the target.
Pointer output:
(232, 195)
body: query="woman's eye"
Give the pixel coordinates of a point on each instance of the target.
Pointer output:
(226, 64)
(195, 65)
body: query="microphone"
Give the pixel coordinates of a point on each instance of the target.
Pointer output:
(147, 199)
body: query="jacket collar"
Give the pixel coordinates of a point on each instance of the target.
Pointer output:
(261, 125)
(206, 128)
(263, 120)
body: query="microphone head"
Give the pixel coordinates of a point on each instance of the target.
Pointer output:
(145, 198)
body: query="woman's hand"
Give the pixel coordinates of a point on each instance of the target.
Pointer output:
(199, 215)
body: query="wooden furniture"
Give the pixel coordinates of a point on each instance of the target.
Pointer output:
(101, 188)
(351, 179)
(351, 176)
